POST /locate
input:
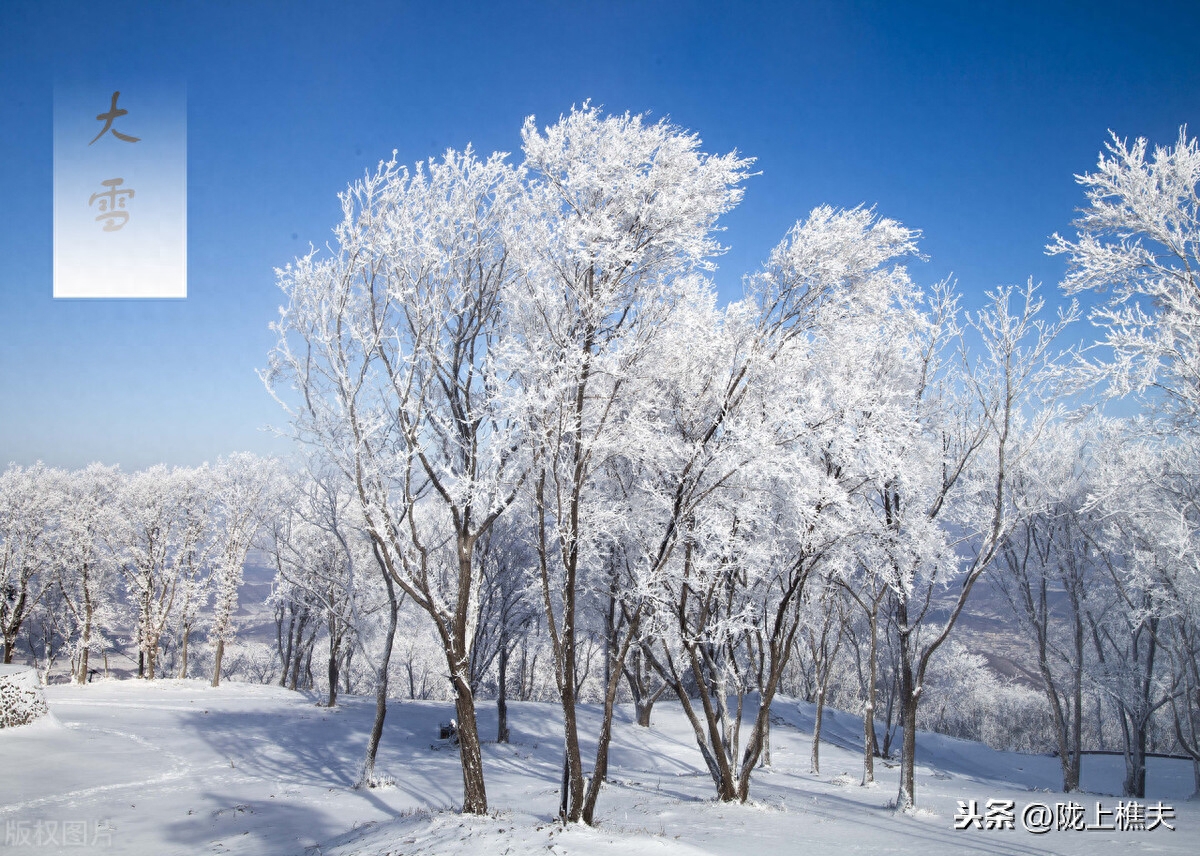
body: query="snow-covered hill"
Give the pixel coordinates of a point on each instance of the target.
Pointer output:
(177, 767)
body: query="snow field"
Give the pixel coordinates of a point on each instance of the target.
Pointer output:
(178, 767)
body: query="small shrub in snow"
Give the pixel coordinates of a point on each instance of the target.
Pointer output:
(21, 698)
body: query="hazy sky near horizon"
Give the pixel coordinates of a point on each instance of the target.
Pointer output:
(967, 121)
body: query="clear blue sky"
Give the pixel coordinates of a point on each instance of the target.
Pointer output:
(964, 120)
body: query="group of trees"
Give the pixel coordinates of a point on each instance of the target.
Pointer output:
(1104, 568)
(92, 555)
(536, 445)
(532, 355)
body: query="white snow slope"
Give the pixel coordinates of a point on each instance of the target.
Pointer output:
(177, 767)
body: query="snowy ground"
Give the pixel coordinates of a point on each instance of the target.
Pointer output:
(176, 767)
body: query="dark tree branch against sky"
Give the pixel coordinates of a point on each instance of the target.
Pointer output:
(966, 121)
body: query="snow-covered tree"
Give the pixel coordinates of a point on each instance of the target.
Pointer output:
(1139, 241)
(964, 697)
(388, 346)
(26, 521)
(1147, 553)
(1180, 494)
(241, 488)
(163, 538)
(619, 214)
(949, 510)
(508, 607)
(1048, 569)
(766, 409)
(84, 560)
(873, 341)
(319, 552)
(823, 639)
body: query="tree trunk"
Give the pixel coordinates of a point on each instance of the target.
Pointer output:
(522, 693)
(217, 658)
(335, 656)
(183, 654)
(824, 668)
(1138, 719)
(869, 745)
(88, 611)
(285, 654)
(13, 627)
(1074, 772)
(502, 694)
(644, 707)
(706, 752)
(297, 662)
(600, 769)
(1072, 769)
(909, 693)
(762, 726)
(906, 799)
(889, 718)
(637, 675)
(367, 779)
(563, 641)
(572, 797)
(716, 717)
(814, 762)
(1135, 760)
(474, 792)
(82, 676)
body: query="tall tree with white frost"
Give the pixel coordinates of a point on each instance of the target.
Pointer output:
(389, 348)
(508, 606)
(164, 520)
(85, 568)
(971, 431)
(771, 429)
(1048, 569)
(1138, 240)
(316, 550)
(867, 332)
(241, 488)
(194, 577)
(26, 519)
(1148, 552)
(620, 213)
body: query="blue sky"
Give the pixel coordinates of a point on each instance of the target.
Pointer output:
(964, 120)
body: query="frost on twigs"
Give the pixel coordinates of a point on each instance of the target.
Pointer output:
(1138, 242)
